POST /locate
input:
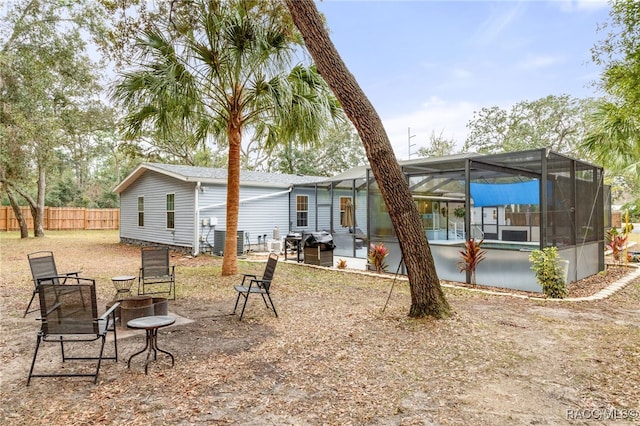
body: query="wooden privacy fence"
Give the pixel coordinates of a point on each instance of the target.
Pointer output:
(63, 218)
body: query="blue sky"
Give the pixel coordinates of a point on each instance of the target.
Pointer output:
(428, 65)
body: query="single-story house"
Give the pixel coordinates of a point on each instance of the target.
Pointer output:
(185, 207)
(516, 202)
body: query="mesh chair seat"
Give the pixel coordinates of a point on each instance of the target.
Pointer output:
(252, 284)
(157, 276)
(43, 265)
(69, 315)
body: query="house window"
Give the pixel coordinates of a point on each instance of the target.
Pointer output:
(345, 221)
(171, 213)
(302, 211)
(140, 211)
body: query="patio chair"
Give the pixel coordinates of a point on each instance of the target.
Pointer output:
(251, 284)
(71, 317)
(156, 275)
(43, 265)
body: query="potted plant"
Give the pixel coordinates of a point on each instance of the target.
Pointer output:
(459, 212)
(377, 253)
(472, 255)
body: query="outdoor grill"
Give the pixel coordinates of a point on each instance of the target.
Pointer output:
(318, 248)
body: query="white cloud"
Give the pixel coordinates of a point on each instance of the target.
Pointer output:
(581, 5)
(538, 61)
(461, 73)
(435, 116)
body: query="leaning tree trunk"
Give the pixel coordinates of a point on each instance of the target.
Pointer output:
(28, 199)
(230, 260)
(427, 297)
(37, 211)
(22, 223)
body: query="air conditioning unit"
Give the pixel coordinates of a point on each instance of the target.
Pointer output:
(218, 241)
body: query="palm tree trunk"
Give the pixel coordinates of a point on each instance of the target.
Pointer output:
(427, 298)
(230, 260)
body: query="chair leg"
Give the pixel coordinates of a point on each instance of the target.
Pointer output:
(104, 339)
(246, 299)
(33, 363)
(272, 305)
(265, 301)
(236, 305)
(115, 334)
(33, 296)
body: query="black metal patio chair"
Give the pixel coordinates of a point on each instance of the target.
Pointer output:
(69, 316)
(252, 284)
(43, 265)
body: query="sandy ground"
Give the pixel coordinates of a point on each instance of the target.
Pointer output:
(332, 357)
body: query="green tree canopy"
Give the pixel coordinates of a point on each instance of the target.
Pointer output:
(217, 71)
(554, 122)
(613, 137)
(339, 150)
(49, 93)
(439, 146)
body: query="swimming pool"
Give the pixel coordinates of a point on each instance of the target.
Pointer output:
(493, 244)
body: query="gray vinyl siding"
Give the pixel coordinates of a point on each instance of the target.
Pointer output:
(154, 187)
(261, 210)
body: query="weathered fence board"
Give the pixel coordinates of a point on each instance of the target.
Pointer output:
(63, 218)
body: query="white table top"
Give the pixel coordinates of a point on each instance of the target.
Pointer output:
(155, 321)
(123, 278)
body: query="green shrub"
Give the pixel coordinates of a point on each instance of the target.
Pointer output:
(549, 272)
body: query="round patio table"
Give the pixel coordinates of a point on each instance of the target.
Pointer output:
(151, 324)
(123, 285)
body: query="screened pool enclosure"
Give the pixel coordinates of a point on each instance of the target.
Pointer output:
(516, 202)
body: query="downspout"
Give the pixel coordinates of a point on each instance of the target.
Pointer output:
(196, 236)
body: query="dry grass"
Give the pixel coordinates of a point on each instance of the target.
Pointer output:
(331, 358)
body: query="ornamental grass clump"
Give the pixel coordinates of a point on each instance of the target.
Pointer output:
(472, 255)
(549, 272)
(377, 254)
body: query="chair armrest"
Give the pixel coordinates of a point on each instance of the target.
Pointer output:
(261, 282)
(69, 274)
(109, 311)
(245, 276)
(53, 308)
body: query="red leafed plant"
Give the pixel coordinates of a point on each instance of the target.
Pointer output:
(377, 253)
(472, 255)
(616, 242)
